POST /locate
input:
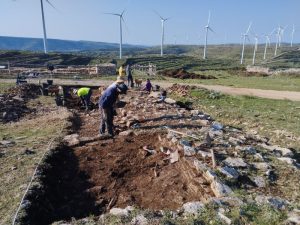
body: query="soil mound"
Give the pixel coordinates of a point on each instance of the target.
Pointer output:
(13, 102)
(183, 74)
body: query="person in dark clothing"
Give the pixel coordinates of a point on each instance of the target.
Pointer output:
(129, 76)
(107, 105)
(148, 87)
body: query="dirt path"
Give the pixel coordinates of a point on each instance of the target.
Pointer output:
(270, 94)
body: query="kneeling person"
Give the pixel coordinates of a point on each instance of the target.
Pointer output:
(85, 94)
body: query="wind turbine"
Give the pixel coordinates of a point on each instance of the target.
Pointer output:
(121, 19)
(255, 48)
(268, 43)
(207, 27)
(279, 34)
(244, 36)
(44, 25)
(163, 20)
(292, 35)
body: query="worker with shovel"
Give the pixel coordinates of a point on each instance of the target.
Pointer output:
(107, 105)
(85, 94)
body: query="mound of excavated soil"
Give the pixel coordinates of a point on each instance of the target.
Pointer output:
(183, 74)
(13, 102)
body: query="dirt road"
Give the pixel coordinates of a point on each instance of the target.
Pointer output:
(270, 94)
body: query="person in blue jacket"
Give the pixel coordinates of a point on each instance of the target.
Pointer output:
(107, 104)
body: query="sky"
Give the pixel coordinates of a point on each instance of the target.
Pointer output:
(86, 20)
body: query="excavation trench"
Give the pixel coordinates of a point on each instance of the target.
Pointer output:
(93, 177)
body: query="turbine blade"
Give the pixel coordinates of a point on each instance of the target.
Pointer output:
(51, 4)
(114, 14)
(208, 21)
(211, 29)
(158, 14)
(123, 12)
(250, 24)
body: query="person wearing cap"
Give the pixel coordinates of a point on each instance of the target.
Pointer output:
(107, 105)
(85, 94)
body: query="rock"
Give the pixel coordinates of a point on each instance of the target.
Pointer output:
(235, 162)
(189, 151)
(195, 112)
(204, 122)
(192, 207)
(261, 166)
(210, 175)
(200, 167)
(228, 201)
(27, 151)
(174, 156)
(170, 101)
(259, 181)
(234, 141)
(217, 126)
(126, 133)
(174, 140)
(72, 139)
(229, 172)
(185, 143)
(139, 220)
(204, 154)
(259, 157)
(215, 133)
(6, 143)
(285, 152)
(294, 217)
(249, 150)
(220, 189)
(287, 160)
(275, 202)
(119, 212)
(271, 175)
(224, 218)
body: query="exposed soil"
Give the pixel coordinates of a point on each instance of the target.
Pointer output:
(183, 74)
(124, 173)
(13, 102)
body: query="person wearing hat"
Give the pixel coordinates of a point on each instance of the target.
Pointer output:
(107, 105)
(85, 94)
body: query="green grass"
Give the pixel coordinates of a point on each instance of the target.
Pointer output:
(277, 119)
(16, 168)
(233, 79)
(5, 86)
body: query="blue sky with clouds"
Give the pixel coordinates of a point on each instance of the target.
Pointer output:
(85, 19)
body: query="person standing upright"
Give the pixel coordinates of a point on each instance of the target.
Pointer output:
(122, 72)
(129, 76)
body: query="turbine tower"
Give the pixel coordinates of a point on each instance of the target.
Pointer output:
(44, 25)
(121, 19)
(163, 20)
(268, 43)
(292, 35)
(245, 36)
(207, 28)
(279, 33)
(255, 48)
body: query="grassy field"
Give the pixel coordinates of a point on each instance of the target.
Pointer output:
(276, 119)
(232, 78)
(28, 139)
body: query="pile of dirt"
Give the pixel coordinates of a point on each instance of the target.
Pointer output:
(13, 102)
(180, 90)
(183, 74)
(26, 91)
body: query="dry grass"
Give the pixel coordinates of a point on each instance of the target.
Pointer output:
(16, 167)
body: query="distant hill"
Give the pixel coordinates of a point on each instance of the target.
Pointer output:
(56, 45)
